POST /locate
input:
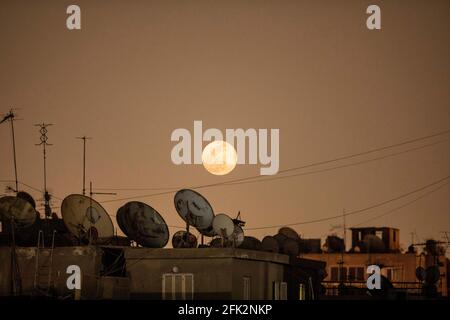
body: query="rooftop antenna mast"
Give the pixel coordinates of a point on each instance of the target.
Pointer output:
(345, 229)
(11, 116)
(43, 130)
(341, 263)
(84, 138)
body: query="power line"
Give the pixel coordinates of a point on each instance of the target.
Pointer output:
(314, 163)
(354, 211)
(341, 166)
(370, 151)
(402, 206)
(256, 179)
(29, 186)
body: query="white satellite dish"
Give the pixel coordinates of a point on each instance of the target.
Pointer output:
(194, 209)
(19, 210)
(86, 219)
(223, 225)
(143, 224)
(235, 240)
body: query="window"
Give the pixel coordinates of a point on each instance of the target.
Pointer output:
(113, 262)
(356, 273)
(178, 286)
(247, 288)
(338, 273)
(353, 273)
(394, 274)
(379, 234)
(334, 272)
(283, 291)
(279, 290)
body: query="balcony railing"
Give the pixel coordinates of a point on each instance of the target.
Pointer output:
(334, 288)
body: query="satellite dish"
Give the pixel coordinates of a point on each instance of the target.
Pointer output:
(237, 236)
(420, 273)
(280, 238)
(289, 233)
(20, 210)
(184, 239)
(372, 243)
(223, 225)
(216, 243)
(251, 243)
(143, 224)
(432, 275)
(209, 232)
(194, 209)
(86, 219)
(270, 244)
(290, 247)
(235, 240)
(27, 197)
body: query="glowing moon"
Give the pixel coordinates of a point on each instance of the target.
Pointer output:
(219, 158)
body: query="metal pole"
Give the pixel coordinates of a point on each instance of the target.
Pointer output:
(84, 138)
(44, 138)
(84, 167)
(45, 169)
(345, 230)
(14, 152)
(11, 117)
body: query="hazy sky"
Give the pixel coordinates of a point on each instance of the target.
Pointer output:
(140, 69)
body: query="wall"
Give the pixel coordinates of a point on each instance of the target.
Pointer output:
(87, 258)
(218, 273)
(405, 261)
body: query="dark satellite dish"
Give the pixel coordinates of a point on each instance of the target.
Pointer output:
(372, 243)
(238, 236)
(18, 210)
(420, 273)
(194, 209)
(183, 239)
(334, 244)
(143, 224)
(217, 243)
(280, 238)
(290, 247)
(27, 197)
(289, 233)
(432, 275)
(251, 243)
(270, 244)
(86, 219)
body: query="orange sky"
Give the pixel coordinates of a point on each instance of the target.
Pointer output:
(140, 69)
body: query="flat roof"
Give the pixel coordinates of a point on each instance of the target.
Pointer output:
(203, 253)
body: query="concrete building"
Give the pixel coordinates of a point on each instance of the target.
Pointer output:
(117, 272)
(381, 247)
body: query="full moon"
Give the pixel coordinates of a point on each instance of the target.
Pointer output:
(219, 158)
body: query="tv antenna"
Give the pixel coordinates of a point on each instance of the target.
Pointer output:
(43, 131)
(84, 138)
(11, 117)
